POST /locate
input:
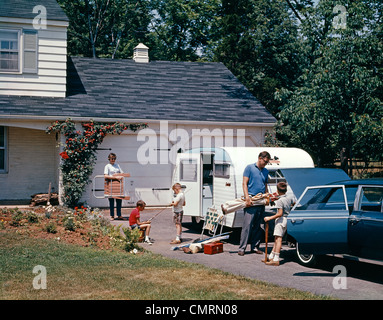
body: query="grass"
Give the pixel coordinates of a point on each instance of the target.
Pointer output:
(81, 273)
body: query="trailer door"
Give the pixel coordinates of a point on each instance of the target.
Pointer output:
(190, 175)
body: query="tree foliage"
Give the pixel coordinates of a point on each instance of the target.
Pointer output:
(339, 104)
(106, 28)
(316, 66)
(181, 30)
(258, 41)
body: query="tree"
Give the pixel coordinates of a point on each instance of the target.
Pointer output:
(258, 41)
(106, 28)
(181, 29)
(339, 104)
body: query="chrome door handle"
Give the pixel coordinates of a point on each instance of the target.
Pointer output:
(296, 221)
(354, 221)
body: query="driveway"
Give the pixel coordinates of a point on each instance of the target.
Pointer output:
(363, 281)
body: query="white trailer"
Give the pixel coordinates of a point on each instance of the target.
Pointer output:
(212, 176)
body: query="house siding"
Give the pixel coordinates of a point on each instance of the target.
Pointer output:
(32, 164)
(50, 80)
(152, 182)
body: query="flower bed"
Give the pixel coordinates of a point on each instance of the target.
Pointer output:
(81, 226)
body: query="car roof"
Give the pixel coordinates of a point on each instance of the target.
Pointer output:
(373, 181)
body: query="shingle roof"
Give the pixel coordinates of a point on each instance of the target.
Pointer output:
(24, 9)
(159, 90)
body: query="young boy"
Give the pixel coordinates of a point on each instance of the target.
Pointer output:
(177, 204)
(134, 220)
(283, 205)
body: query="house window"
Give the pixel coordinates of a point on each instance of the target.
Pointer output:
(3, 154)
(9, 50)
(12, 58)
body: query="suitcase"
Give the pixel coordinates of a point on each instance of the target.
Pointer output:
(213, 248)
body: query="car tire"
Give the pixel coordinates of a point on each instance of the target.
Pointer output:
(308, 260)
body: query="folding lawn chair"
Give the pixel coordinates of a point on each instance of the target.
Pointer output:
(213, 220)
(112, 188)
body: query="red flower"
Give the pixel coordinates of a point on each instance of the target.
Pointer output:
(64, 155)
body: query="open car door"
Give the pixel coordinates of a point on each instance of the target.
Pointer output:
(319, 220)
(300, 178)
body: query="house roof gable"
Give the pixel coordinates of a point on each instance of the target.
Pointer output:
(159, 90)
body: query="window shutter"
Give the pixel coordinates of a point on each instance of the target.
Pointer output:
(30, 51)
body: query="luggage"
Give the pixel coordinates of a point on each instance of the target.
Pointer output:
(213, 248)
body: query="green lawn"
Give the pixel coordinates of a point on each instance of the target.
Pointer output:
(81, 273)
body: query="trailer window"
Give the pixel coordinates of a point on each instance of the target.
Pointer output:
(188, 170)
(222, 170)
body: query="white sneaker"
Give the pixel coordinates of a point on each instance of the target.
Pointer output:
(148, 242)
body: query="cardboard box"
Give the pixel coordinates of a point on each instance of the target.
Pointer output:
(213, 248)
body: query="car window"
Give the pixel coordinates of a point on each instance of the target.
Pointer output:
(350, 194)
(371, 199)
(326, 198)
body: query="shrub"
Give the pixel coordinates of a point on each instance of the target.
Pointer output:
(69, 223)
(2, 224)
(32, 217)
(49, 210)
(51, 227)
(127, 240)
(17, 216)
(131, 238)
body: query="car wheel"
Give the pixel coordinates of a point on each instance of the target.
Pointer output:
(308, 260)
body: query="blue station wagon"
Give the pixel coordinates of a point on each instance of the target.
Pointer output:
(343, 217)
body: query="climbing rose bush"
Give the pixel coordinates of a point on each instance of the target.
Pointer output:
(79, 153)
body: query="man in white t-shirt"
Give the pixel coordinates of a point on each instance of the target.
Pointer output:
(177, 204)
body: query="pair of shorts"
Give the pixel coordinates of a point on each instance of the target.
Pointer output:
(177, 217)
(280, 226)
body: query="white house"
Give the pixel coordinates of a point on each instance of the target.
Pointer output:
(186, 104)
